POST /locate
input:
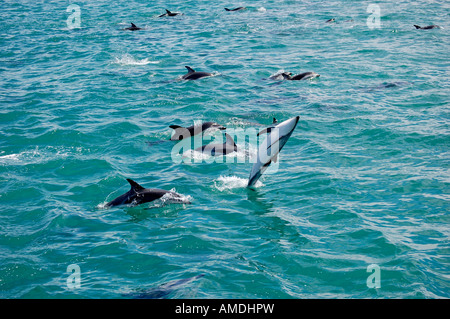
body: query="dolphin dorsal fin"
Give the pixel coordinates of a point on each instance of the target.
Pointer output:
(274, 121)
(190, 70)
(135, 186)
(175, 126)
(133, 25)
(168, 12)
(230, 140)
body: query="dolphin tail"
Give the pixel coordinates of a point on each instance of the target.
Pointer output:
(135, 186)
(418, 26)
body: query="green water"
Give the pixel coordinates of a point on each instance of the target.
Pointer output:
(364, 178)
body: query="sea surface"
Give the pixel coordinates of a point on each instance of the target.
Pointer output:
(357, 206)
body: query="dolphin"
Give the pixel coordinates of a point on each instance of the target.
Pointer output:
(301, 76)
(133, 27)
(163, 290)
(427, 27)
(272, 145)
(219, 149)
(186, 132)
(138, 195)
(236, 9)
(330, 20)
(268, 129)
(193, 75)
(170, 14)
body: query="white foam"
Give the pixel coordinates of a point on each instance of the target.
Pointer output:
(231, 182)
(127, 59)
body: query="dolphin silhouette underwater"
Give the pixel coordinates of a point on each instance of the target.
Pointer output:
(163, 290)
(194, 75)
(187, 132)
(138, 195)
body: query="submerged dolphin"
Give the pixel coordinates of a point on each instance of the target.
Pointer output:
(187, 132)
(268, 150)
(170, 14)
(138, 195)
(219, 149)
(133, 27)
(193, 75)
(427, 27)
(163, 290)
(236, 9)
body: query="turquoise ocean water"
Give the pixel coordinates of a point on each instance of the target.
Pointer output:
(363, 180)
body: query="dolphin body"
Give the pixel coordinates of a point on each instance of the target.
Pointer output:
(169, 13)
(163, 290)
(278, 135)
(427, 27)
(219, 149)
(236, 9)
(138, 195)
(187, 132)
(301, 76)
(193, 75)
(133, 27)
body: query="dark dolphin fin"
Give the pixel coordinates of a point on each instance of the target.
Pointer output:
(230, 140)
(274, 121)
(135, 186)
(227, 9)
(418, 26)
(175, 126)
(190, 70)
(133, 25)
(168, 12)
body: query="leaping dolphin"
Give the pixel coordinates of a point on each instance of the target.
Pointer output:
(187, 132)
(193, 75)
(138, 195)
(272, 145)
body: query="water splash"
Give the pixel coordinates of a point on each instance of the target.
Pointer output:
(127, 59)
